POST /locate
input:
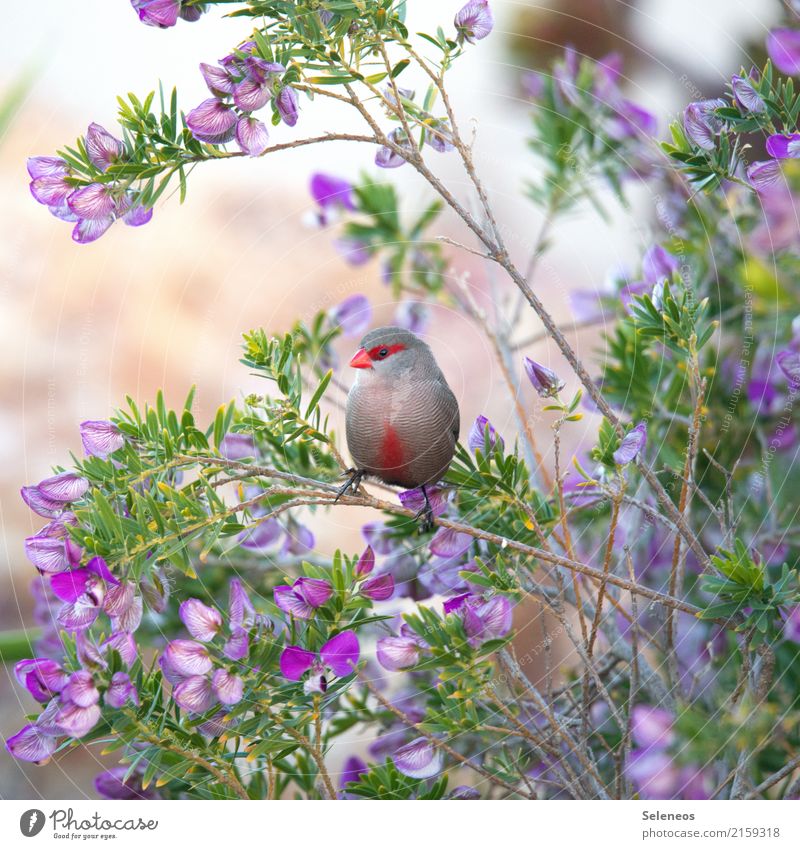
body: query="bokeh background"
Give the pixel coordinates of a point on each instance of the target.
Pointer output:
(164, 306)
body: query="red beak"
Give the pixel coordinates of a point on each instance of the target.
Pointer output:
(361, 359)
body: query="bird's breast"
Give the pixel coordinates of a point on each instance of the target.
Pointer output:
(392, 454)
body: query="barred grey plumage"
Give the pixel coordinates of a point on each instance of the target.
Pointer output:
(402, 418)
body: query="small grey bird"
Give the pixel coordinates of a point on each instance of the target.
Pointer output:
(402, 418)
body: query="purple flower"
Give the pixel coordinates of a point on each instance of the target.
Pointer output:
(366, 563)
(51, 554)
(228, 688)
(65, 487)
(652, 727)
(439, 136)
(49, 181)
(240, 609)
(473, 21)
(353, 315)
(388, 158)
(88, 230)
(95, 202)
(546, 382)
(252, 94)
(401, 652)
(791, 626)
(658, 264)
(113, 784)
(191, 14)
(339, 655)
(194, 694)
(120, 691)
(449, 543)
(201, 621)
(700, 123)
(100, 438)
(378, 537)
(303, 597)
(632, 444)
(261, 536)
(299, 539)
(80, 689)
(484, 620)
(477, 435)
(413, 499)
(418, 759)
(137, 215)
(412, 315)
(653, 773)
(331, 192)
(352, 770)
(46, 166)
(52, 191)
(32, 744)
(86, 593)
(784, 147)
(218, 79)
(747, 98)
(789, 363)
(158, 13)
(41, 676)
(237, 446)
(379, 588)
(184, 658)
(353, 250)
(102, 148)
(764, 388)
(764, 175)
(252, 135)
(42, 506)
(286, 104)
(212, 121)
(631, 120)
(533, 84)
(651, 768)
(783, 46)
(75, 720)
(464, 793)
(442, 575)
(155, 591)
(124, 644)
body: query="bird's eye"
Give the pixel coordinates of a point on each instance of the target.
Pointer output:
(383, 352)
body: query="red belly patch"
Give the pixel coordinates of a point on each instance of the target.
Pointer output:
(391, 449)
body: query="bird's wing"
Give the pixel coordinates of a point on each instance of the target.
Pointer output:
(451, 406)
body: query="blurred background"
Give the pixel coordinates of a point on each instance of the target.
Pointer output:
(164, 306)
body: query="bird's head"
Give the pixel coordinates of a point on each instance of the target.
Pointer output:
(390, 350)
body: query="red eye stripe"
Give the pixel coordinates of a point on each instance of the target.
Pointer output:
(373, 353)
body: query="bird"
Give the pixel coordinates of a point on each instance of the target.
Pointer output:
(402, 419)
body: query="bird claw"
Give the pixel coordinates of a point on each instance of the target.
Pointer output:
(353, 482)
(426, 514)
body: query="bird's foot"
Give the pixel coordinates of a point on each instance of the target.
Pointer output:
(426, 514)
(353, 482)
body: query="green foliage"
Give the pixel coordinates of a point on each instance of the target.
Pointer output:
(747, 594)
(386, 782)
(412, 261)
(705, 169)
(573, 139)
(679, 322)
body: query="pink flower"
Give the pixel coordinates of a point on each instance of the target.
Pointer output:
(340, 655)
